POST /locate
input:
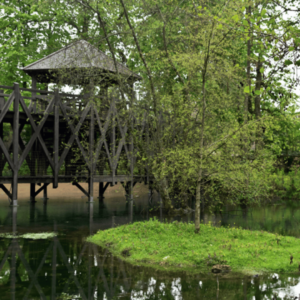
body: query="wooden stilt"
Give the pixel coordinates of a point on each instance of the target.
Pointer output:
(32, 193)
(45, 195)
(91, 213)
(14, 211)
(1, 156)
(91, 189)
(101, 192)
(15, 146)
(113, 144)
(91, 158)
(130, 211)
(2, 102)
(56, 139)
(102, 189)
(131, 148)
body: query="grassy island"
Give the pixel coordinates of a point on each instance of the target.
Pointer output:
(172, 246)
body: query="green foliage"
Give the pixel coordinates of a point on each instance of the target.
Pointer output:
(287, 185)
(218, 73)
(175, 246)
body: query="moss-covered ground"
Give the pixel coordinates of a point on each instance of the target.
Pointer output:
(172, 246)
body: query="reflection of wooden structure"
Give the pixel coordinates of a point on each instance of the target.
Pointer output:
(86, 289)
(64, 137)
(68, 268)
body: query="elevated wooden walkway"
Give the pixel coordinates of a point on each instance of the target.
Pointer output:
(58, 137)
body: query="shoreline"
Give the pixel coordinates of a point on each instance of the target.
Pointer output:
(175, 246)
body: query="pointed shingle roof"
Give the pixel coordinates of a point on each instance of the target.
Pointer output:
(78, 55)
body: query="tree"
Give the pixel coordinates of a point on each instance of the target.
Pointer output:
(212, 91)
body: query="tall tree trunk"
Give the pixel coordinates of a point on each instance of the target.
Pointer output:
(198, 202)
(163, 185)
(198, 187)
(257, 88)
(248, 102)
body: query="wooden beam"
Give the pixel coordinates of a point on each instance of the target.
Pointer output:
(2, 100)
(22, 147)
(41, 189)
(32, 193)
(6, 106)
(7, 150)
(81, 188)
(15, 145)
(1, 156)
(56, 139)
(33, 94)
(36, 133)
(102, 140)
(113, 142)
(6, 191)
(122, 143)
(148, 152)
(131, 143)
(91, 156)
(74, 135)
(123, 133)
(6, 154)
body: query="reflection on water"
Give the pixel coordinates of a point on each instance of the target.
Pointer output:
(67, 267)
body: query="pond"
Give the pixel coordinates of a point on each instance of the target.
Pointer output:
(67, 267)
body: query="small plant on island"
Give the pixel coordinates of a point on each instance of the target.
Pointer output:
(173, 246)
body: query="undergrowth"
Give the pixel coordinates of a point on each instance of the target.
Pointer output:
(175, 245)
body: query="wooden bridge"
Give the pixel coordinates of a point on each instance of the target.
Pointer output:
(48, 137)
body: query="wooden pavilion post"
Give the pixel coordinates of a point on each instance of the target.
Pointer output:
(113, 141)
(101, 192)
(2, 102)
(131, 144)
(14, 200)
(91, 157)
(32, 193)
(45, 195)
(33, 110)
(104, 106)
(33, 94)
(56, 139)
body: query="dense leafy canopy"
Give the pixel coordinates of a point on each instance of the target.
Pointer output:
(222, 74)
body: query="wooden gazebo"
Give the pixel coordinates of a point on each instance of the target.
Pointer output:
(47, 130)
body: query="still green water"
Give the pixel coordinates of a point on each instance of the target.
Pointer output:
(67, 267)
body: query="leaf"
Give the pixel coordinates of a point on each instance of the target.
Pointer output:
(291, 48)
(288, 62)
(245, 22)
(257, 92)
(220, 26)
(246, 89)
(235, 18)
(263, 12)
(261, 70)
(297, 62)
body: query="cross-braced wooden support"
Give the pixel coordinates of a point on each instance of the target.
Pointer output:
(72, 139)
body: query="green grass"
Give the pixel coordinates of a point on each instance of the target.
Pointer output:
(173, 246)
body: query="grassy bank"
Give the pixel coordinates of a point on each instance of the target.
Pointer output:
(176, 246)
